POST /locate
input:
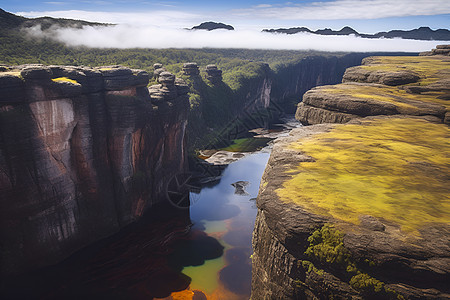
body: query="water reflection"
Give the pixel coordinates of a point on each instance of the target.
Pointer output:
(229, 217)
(162, 256)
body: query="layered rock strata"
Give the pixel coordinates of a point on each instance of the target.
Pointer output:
(355, 232)
(213, 74)
(191, 69)
(360, 210)
(158, 69)
(439, 50)
(83, 152)
(382, 86)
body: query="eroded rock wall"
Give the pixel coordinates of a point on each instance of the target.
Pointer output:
(83, 152)
(292, 81)
(344, 209)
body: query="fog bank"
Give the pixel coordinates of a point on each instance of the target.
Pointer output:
(127, 36)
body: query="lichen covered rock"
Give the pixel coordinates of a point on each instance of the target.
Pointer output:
(344, 233)
(382, 86)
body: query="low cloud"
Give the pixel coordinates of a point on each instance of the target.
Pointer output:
(349, 9)
(126, 36)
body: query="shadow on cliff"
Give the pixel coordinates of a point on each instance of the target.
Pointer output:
(142, 261)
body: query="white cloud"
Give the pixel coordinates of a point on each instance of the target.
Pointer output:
(349, 9)
(126, 36)
(263, 6)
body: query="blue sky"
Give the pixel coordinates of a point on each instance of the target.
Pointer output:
(366, 16)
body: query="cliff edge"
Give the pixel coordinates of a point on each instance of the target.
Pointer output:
(83, 152)
(360, 210)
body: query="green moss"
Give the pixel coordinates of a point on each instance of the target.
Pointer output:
(194, 100)
(64, 79)
(383, 168)
(247, 144)
(373, 288)
(326, 245)
(309, 267)
(366, 283)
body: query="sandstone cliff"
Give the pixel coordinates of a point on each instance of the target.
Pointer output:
(382, 86)
(83, 152)
(360, 210)
(293, 80)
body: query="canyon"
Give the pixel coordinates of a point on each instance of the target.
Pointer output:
(356, 204)
(85, 152)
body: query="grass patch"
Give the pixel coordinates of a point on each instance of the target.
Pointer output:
(396, 169)
(247, 144)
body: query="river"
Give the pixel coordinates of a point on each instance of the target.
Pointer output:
(160, 257)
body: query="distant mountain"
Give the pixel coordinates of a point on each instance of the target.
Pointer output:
(12, 21)
(422, 33)
(212, 26)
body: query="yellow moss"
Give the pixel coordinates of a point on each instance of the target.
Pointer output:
(64, 79)
(396, 169)
(429, 69)
(12, 73)
(405, 102)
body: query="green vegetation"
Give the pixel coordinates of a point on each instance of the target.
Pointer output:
(326, 247)
(382, 168)
(247, 144)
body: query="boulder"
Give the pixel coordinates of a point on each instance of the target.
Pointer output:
(41, 73)
(440, 50)
(191, 69)
(12, 88)
(391, 78)
(213, 74)
(169, 88)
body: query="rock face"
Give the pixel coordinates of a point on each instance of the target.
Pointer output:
(83, 152)
(304, 251)
(357, 210)
(158, 69)
(191, 69)
(418, 86)
(213, 74)
(293, 81)
(440, 50)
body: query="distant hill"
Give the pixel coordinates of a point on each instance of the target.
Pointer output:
(422, 33)
(212, 26)
(12, 21)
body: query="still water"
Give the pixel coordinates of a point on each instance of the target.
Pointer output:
(228, 213)
(162, 256)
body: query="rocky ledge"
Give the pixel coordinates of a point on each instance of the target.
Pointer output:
(355, 211)
(83, 152)
(213, 74)
(360, 210)
(382, 86)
